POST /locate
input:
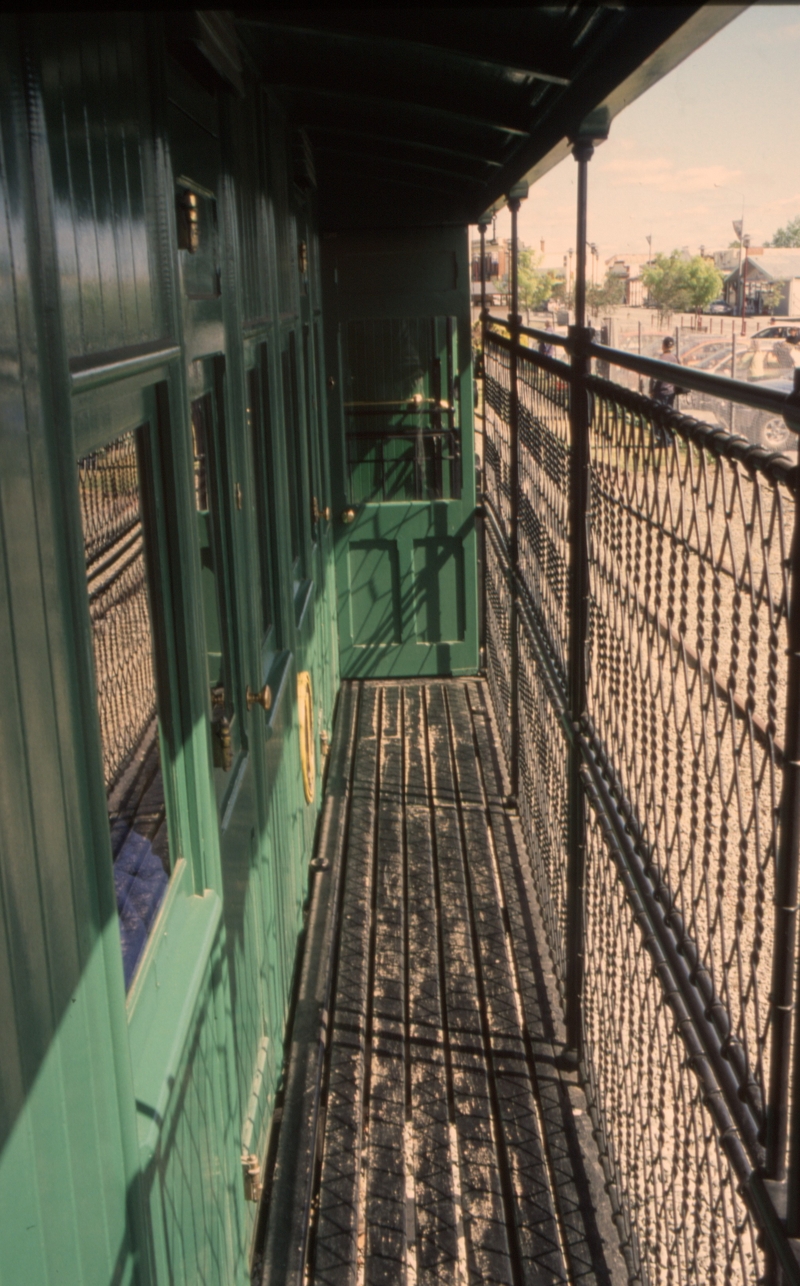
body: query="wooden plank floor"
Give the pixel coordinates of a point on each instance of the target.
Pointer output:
(439, 1145)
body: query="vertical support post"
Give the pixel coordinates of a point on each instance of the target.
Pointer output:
(579, 479)
(482, 475)
(746, 244)
(514, 322)
(785, 1061)
(482, 231)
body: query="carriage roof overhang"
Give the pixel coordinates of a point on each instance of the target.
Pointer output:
(419, 117)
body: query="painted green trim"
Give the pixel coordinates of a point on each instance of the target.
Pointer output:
(165, 1008)
(121, 366)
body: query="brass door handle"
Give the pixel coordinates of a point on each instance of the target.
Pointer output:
(262, 698)
(317, 513)
(348, 516)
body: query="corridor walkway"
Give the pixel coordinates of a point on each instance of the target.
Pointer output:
(430, 1131)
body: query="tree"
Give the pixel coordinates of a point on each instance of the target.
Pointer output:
(788, 237)
(612, 292)
(773, 295)
(535, 287)
(676, 284)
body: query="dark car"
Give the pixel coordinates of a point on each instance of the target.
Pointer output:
(718, 306)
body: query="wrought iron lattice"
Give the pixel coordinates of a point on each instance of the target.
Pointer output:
(498, 624)
(689, 535)
(689, 601)
(497, 407)
(685, 1219)
(544, 499)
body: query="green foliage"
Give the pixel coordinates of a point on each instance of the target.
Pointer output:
(680, 285)
(773, 294)
(612, 292)
(535, 287)
(788, 237)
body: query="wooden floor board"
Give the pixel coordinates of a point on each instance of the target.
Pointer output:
(446, 1155)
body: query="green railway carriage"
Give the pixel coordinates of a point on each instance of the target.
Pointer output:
(237, 468)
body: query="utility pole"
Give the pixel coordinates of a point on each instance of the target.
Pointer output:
(746, 244)
(738, 227)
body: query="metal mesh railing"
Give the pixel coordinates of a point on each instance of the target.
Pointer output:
(689, 595)
(688, 537)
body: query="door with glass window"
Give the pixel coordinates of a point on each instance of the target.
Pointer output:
(245, 664)
(402, 455)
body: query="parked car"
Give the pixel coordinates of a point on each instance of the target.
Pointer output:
(719, 307)
(764, 428)
(777, 331)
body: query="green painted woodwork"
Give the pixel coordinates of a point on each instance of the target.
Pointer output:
(123, 1119)
(397, 312)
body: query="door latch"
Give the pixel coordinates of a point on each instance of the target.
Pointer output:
(317, 513)
(188, 222)
(251, 1172)
(262, 698)
(222, 745)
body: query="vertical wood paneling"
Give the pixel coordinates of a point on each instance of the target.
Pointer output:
(67, 1111)
(279, 180)
(100, 135)
(196, 1202)
(63, 1211)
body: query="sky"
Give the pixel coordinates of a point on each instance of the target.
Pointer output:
(720, 132)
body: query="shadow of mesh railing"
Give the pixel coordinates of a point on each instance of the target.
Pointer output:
(689, 535)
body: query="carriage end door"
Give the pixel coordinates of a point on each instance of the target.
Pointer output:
(402, 463)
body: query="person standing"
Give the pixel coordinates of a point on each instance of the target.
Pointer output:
(664, 391)
(661, 390)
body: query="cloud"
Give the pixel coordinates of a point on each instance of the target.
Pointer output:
(660, 173)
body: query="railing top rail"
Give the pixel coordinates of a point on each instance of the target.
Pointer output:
(546, 336)
(721, 386)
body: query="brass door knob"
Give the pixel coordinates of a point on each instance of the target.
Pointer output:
(262, 698)
(348, 516)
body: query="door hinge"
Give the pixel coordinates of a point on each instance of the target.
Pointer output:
(251, 1173)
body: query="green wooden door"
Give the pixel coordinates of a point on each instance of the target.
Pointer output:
(402, 454)
(246, 668)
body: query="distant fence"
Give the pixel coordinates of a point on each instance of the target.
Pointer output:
(643, 657)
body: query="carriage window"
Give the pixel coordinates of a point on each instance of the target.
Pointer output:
(258, 419)
(294, 452)
(202, 428)
(401, 408)
(311, 417)
(208, 446)
(122, 636)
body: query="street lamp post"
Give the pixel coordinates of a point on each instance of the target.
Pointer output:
(746, 244)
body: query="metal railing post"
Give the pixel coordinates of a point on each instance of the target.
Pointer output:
(783, 1130)
(514, 322)
(482, 475)
(578, 618)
